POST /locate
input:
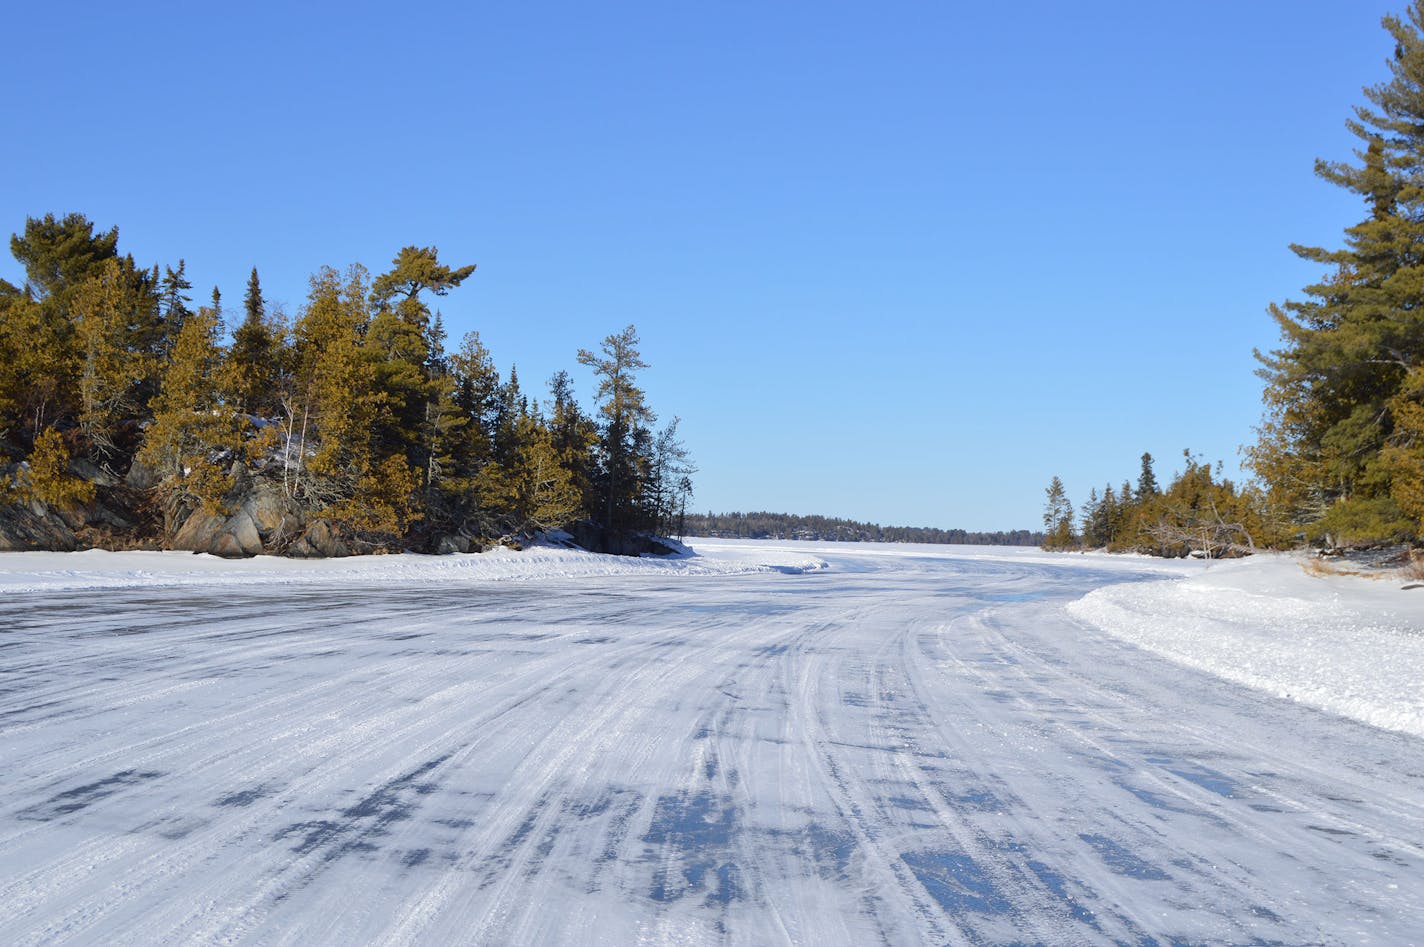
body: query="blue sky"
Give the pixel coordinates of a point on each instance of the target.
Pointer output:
(900, 262)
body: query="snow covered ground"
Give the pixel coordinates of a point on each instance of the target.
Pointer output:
(765, 743)
(1348, 644)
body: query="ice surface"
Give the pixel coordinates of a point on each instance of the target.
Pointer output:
(766, 743)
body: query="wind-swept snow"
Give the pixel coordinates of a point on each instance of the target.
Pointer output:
(1347, 644)
(767, 743)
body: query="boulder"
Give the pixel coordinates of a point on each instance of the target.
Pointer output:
(234, 537)
(275, 515)
(199, 531)
(319, 540)
(449, 543)
(239, 537)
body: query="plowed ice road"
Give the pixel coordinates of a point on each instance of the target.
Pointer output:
(899, 749)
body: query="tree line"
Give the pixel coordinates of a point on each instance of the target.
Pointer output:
(113, 382)
(1339, 456)
(1198, 513)
(762, 525)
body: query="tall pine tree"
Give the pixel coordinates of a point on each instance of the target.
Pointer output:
(1333, 388)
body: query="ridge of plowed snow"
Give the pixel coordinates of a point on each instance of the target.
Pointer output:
(1345, 644)
(98, 569)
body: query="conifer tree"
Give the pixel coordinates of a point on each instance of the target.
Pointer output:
(573, 435)
(58, 255)
(173, 308)
(253, 364)
(194, 436)
(1146, 481)
(670, 478)
(46, 476)
(1333, 388)
(405, 344)
(339, 470)
(1091, 526)
(625, 414)
(1057, 517)
(38, 369)
(529, 490)
(115, 311)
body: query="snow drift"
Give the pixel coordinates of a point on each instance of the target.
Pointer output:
(1346, 644)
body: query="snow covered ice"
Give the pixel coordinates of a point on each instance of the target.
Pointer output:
(765, 743)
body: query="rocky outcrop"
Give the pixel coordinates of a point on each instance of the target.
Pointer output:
(320, 540)
(113, 519)
(34, 526)
(595, 538)
(257, 518)
(264, 519)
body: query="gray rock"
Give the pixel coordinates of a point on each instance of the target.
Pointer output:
(34, 527)
(243, 530)
(317, 541)
(141, 476)
(199, 531)
(85, 469)
(275, 515)
(449, 544)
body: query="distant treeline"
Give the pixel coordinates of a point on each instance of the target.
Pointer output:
(829, 529)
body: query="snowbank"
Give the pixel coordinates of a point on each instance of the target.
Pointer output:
(22, 572)
(1349, 645)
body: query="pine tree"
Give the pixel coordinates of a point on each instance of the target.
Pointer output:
(670, 479)
(1057, 517)
(625, 414)
(1333, 389)
(406, 345)
(58, 255)
(39, 354)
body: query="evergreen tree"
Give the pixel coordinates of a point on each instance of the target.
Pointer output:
(254, 361)
(38, 369)
(115, 312)
(670, 480)
(574, 436)
(625, 414)
(1146, 481)
(254, 307)
(173, 308)
(193, 437)
(405, 346)
(58, 255)
(46, 475)
(1094, 530)
(1057, 517)
(1334, 388)
(337, 470)
(39, 354)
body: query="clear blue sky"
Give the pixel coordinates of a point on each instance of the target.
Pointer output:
(899, 262)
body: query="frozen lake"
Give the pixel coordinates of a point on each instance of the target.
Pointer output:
(900, 749)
